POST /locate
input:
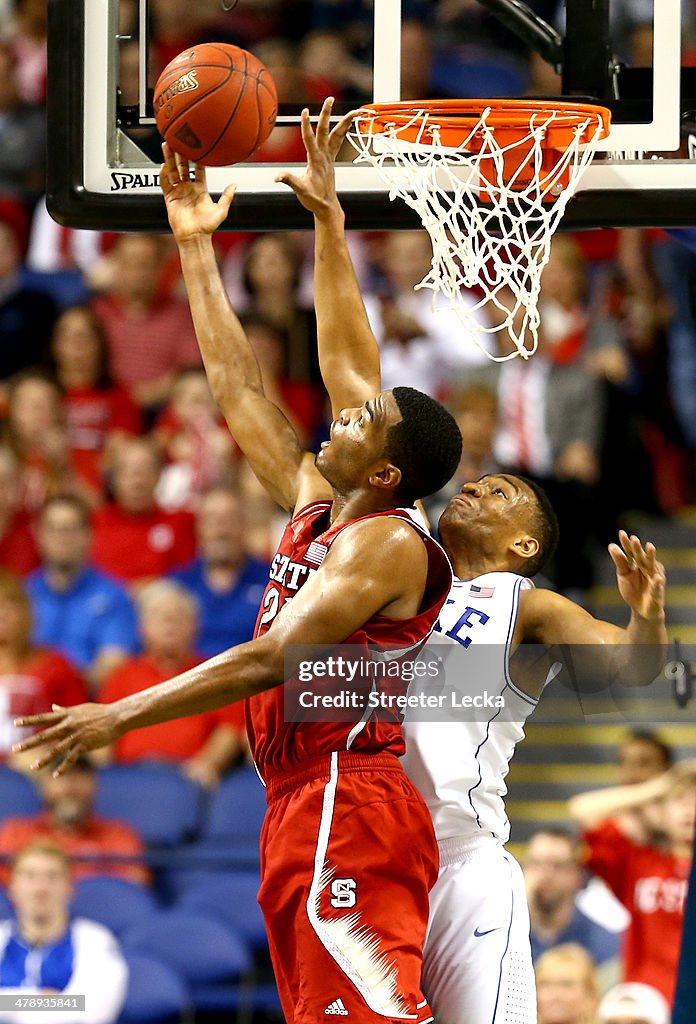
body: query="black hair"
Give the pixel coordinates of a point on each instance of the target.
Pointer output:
(426, 445)
(544, 526)
(648, 736)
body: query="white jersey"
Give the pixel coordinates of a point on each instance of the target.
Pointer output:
(460, 765)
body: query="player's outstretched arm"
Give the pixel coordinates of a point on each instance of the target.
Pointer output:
(348, 351)
(351, 587)
(635, 654)
(590, 809)
(259, 427)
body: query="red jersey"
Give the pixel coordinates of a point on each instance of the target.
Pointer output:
(278, 745)
(135, 547)
(169, 741)
(45, 678)
(93, 414)
(652, 885)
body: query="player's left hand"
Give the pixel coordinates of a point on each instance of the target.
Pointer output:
(316, 188)
(641, 578)
(66, 733)
(190, 208)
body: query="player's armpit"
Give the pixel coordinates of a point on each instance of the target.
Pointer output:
(548, 618)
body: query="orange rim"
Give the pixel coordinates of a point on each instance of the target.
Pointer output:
(455, 119)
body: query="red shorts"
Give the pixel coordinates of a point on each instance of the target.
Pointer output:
(348, 855)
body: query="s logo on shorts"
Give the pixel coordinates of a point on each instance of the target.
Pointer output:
(344, 893)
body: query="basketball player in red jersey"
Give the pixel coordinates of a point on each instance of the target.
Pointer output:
(348, 851)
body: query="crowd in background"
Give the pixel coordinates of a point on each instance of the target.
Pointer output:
(134, 541)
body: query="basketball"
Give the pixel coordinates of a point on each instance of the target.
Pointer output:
(215, 104)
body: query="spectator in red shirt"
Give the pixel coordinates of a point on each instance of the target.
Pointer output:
(31, 678)
(204, 744)
(99, 413)
(150, 334)
(195, 442)
(651, 881)
(135, 539)
(69, 822)
(18, 551)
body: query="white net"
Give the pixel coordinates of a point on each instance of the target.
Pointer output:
(490, 207)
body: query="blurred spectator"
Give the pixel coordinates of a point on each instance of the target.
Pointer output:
(205, 745)
(150, 334)
(476, 410)
(633, 1004)
(551, 419)
(554, 877)
(18, 550)
(195, 442)
(642, 756)
(31, 678)
(326, 55)
(45, 952)
(26, 314)
(36, 431)
(227, 584)
(265, 521)
(28, 40)
(271, 278)
(301, 401)
(22, 137)
(651, 881)
(676, 267)
(134, 539)
(420, 347)
(78, 610)
(68, 820)
(567, 987)
(573, 331)
(99, 413)
(53, 247)
(178, 24)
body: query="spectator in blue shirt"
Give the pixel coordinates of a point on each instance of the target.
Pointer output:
(46, 952)
(87, 615)
(553, 877)
(227, 583)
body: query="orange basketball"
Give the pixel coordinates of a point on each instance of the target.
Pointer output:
(215, 104)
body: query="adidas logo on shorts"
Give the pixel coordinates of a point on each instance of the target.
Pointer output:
(337, 1008)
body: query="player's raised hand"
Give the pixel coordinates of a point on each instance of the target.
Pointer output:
(191, 209)
(316, 188)
(641, 578)
(69, 732)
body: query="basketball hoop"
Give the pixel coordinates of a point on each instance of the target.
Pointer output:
(490, 180)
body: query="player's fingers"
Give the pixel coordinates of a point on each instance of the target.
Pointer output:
(182, 166)
(170, 161)
(324, 121)
(200, 174)
(225, 200)
(291, 180)
(337, 137)
(45, 718)
(310, 143)
(68, 761)
(619, 559)
(49, 756)
(56, 732)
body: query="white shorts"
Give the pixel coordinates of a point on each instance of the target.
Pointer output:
(477, 961)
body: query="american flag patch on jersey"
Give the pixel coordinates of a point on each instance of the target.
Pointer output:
(475, 591)
(316, 553)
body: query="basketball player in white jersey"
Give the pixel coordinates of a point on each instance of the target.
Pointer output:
(498, 532)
